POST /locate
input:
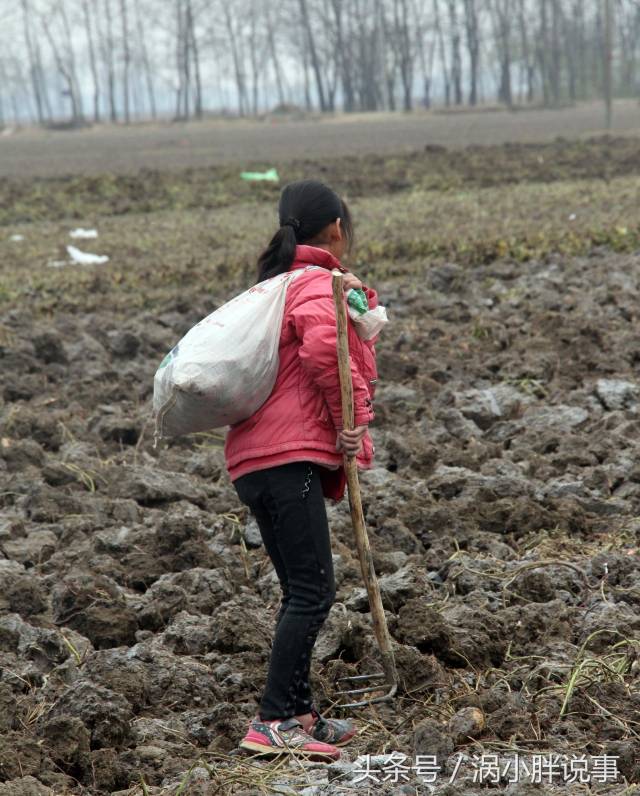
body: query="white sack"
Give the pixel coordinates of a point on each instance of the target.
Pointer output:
(224, 368)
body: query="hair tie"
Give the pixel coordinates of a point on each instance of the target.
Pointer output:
(292, 222)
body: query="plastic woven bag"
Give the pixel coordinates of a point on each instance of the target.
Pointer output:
(224, 368)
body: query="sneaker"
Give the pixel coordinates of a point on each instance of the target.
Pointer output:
(336, 732)
(286, 737)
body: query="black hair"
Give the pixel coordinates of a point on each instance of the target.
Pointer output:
(304, 210)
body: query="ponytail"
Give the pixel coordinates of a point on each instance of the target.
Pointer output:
(279, 254)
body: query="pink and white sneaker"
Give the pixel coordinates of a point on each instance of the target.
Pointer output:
(286, 737)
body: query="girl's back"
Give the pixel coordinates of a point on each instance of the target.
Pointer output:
(300, 418)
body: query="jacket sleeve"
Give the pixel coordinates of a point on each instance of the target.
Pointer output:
(314, 321)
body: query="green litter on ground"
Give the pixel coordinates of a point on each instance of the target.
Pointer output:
(256, 176)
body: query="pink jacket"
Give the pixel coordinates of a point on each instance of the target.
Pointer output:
(298, 421)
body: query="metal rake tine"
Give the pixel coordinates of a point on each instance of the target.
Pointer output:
(361, 690)
(353, 678)
(366, 702)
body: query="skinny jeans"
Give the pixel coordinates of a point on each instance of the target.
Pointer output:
(288, 504)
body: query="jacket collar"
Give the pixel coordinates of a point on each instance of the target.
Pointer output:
(312, 255)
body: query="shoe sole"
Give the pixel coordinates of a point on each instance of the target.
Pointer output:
(270, 751)
(346, 741)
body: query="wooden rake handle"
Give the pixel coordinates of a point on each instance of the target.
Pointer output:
(355, 502)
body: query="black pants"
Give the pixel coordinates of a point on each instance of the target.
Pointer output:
(288, 504)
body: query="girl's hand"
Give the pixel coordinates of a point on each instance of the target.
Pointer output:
(351, 281)
(351, 441)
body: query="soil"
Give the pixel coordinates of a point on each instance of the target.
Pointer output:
(368, 174)
(136, 604)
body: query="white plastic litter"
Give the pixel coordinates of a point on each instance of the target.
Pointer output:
(16, 238)
(224, 368)
(83, 233)
(370, 323)
(85, 258)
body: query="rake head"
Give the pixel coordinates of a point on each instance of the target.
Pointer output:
(381, 685)
(360, 679)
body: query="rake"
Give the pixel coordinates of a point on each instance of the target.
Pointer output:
(388, 678)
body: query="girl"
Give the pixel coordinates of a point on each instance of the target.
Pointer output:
(286, 457)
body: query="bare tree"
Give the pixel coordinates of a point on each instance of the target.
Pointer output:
(71, 59)
(273, 51)
(501, 19)
(313, 53)
(443, 53)
(555, 73)
(35, 67)
(13, 83)
(108, 48)
(579, 27)
(343, 56)
(183, 87)
(145, 60)
(64, 57)
(542, 50)
(528, 54)
(194, 50)
(234, 41)
(569, 48)
(4, 83)
(256, 54)
(608, 57)
(404, 43)
(386, 41)
(92, 60)
(626, 29)
(126, 57)
(456, 58)
(473, 47)
(426, 52)
(360, 54)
